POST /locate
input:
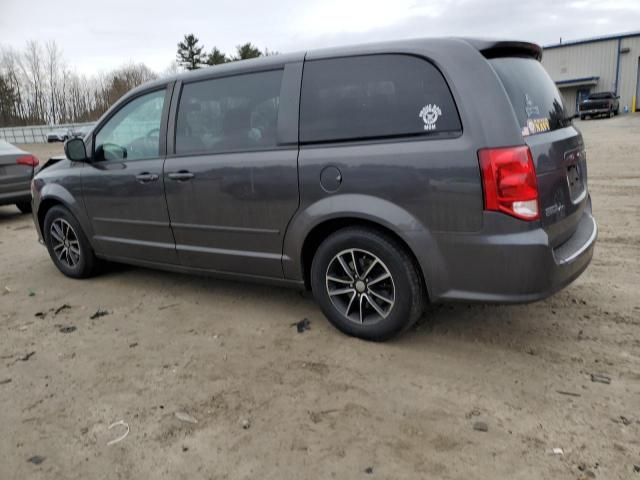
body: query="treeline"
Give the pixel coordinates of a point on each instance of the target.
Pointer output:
(37, 87)
(193, 55)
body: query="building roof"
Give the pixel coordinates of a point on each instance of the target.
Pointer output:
(603, 38)
(576, 82)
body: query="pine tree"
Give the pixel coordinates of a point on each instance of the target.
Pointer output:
(190, 52)
(248, 50)
(216, 57)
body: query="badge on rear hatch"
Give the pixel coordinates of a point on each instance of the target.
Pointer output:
(557, 208)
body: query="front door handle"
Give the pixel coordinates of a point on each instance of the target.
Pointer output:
(180, 176)
(146, 177)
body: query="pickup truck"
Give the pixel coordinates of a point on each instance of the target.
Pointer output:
(602, 103)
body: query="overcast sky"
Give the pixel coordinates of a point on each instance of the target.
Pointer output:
(97, 36)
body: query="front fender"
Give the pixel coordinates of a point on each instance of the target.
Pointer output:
(371, 209)
(58, 193)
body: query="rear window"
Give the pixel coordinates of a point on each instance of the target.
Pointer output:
(535, 98)
(375, 96)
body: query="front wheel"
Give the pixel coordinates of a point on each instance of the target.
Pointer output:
(367, 284)
(67, 244)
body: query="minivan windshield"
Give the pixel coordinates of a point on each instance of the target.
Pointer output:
(535, 98)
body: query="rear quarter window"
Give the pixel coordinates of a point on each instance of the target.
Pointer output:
(536, 100)
(372, 96)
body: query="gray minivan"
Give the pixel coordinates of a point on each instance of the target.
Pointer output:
(381, 177)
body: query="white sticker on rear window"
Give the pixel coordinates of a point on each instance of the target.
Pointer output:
(530, 108)
(538, 125)
(429, 115)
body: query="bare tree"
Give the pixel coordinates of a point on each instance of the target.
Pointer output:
(172, 69)
(9, 68)
(32, 68)
(53, 67)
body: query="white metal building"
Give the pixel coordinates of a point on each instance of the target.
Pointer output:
(610, 63)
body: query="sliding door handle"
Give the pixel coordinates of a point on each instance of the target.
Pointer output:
(180, 176)
(146, 177)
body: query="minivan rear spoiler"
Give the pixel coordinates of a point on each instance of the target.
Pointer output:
(495, 48)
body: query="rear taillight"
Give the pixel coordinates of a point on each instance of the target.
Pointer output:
(509, 181)
(28, 160)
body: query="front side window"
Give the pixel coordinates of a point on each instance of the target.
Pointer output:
(133, 133)
(374, 96)
(238, 113)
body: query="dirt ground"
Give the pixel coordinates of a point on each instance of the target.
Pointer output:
(272, 403)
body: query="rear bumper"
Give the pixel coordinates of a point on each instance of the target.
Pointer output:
(517, 268)
(15, 197)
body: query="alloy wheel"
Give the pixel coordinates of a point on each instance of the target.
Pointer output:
(360, 286)
(64, 242)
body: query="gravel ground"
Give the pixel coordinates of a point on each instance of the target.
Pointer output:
(214, 382)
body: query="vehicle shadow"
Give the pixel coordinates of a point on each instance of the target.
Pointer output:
(526, 328)
(9, 213)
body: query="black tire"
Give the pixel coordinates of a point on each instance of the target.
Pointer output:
(405, 283)
(24, 207)
(86, 262)
(582, 117)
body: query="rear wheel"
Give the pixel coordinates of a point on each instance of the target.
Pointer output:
(24, 207)
(582, 117)
(67, 244)
(367, 284)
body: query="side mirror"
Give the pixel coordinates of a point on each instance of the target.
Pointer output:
(110, 152)
(75, 150)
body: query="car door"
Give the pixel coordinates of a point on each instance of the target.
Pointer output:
(232, 182)
(123, 184)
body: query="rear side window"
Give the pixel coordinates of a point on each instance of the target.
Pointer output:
(535, 98)
(237, 113)
(375, 96)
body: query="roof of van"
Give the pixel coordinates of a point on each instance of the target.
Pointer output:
(489, 47)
